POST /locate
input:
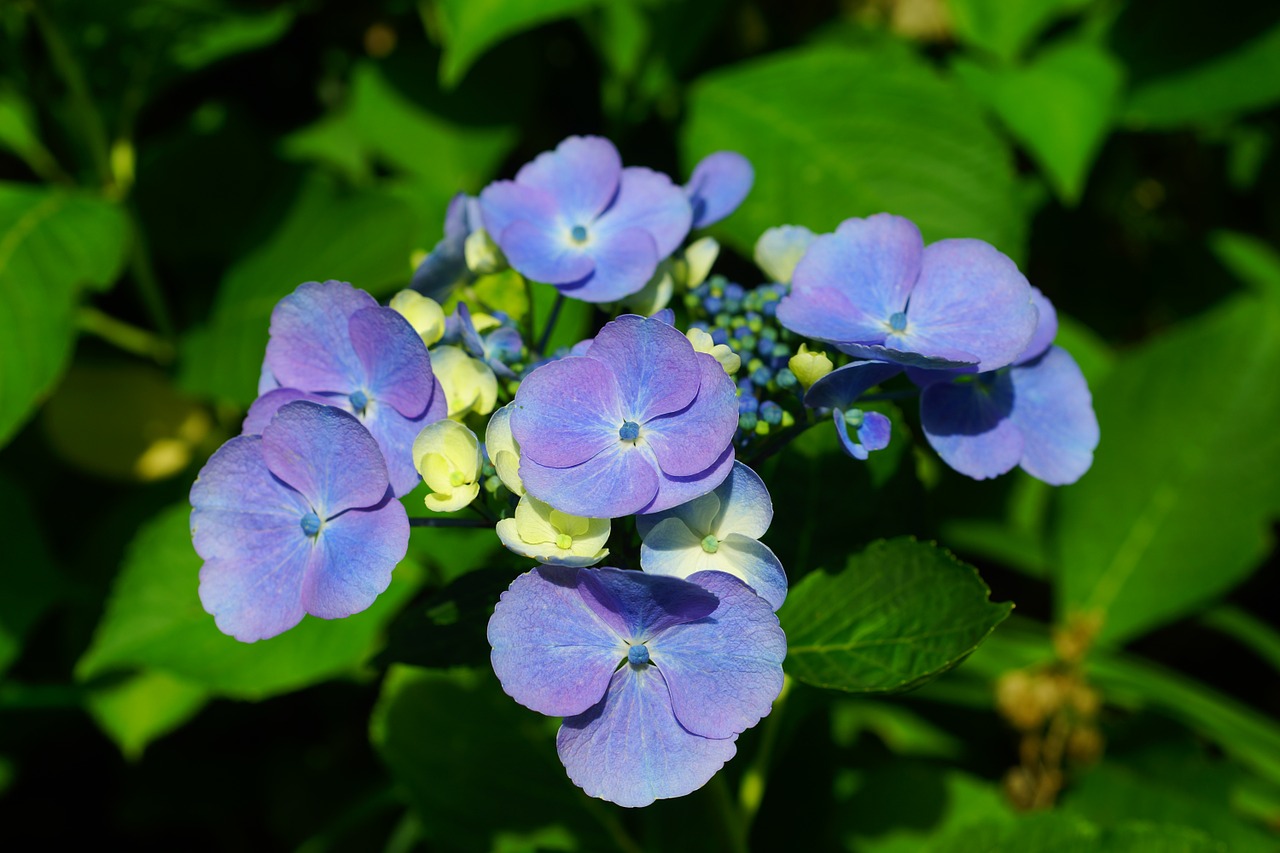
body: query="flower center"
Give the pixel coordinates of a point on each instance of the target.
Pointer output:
(311, 524)
(457, 478)
(578, 233)
(898, 321)
(638, 655)
(629, 431)
(710, 544)
(359, 400)
(564, 541)
(854, 418)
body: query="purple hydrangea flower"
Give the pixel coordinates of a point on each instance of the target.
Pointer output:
(333, 344)
(639, 423)
(296, 520)
(655, 676)
(1036, 414)
(446, 267)
(874, 290)
(719, 184)
(861, 432)
(575, 218)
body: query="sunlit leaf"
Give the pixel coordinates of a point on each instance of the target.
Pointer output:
(1006, 28)
(143, 707)
(473, 26)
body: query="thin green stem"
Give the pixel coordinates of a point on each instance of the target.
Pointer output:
(551, 324)
(426, 521)
(144, 276)
(127, 337)
(756, 777)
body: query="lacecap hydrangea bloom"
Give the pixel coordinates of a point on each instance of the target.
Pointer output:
(639, 423)
(299, 519)
(655, 676)
(874, 290)
(333, 344)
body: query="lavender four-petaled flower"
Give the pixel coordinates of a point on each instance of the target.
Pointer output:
(655, 676)
(296, 520)
(639, 423)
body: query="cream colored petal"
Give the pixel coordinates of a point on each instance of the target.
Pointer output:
(700, 255)
(461, 496)
(574, 525)
(424, 314)
(510, 536)
(437, 473)
(507, 465)
(533, 521)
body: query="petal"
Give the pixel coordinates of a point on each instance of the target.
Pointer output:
(533, 521)
(698, 515)
(718, 185)
(265, 407)
(623, 262)
(875, 431)
(327, 455)
(395, 434)
(630, 750)
(649, 201)
(848, 443)
(503, 450)
(842, 386)
(673, 549)
(970, 299)
(688, 441)
(504, 203)
(310, 346)
(724, 670)
(779, 250)
(620, 480)
(655, 366)
(551, 651)
(755, 564)
(673, 491)
(970, 427)
(543, 252)
(1054, 411)
(745, 505)
(258, 594)
(353, 561)
(1046, 327)
(582, 175)
(897, 349)
(566, 412)
(827, 314)
(637, 606)
(396, 367)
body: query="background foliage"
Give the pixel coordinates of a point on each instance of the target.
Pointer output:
(169, 169)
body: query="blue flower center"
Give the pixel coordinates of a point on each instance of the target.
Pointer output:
(629, 431)
(898, 321)
(311, 524)
(358, 401)
(638, 655)
(578, 233)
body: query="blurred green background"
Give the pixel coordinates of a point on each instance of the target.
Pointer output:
(169, 169)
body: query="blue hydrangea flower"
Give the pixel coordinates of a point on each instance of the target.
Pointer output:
(719, 184)
(299, 519)
(575, 218)
(861, 432)
(445, 268)
(639, 423)
(499, 347)
(874, 290)
(333, 344)
(719, 531)
(655, 676)
(1036, 414)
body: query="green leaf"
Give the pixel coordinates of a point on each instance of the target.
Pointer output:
(1006, 28)
(1054, 832)
(20, 134)
(52, 243)
(453, 782)
(143, 707)
(470, 27)
(1060, 106)
(900, 614)
(1251, 260)
(154, 621)
(839, 132)
(1168, 519)
(27, 590)
(900, 729)
(213, 34)
(363, 237)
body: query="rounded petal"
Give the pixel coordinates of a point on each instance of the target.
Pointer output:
(567, 411)
(875, 431)
(754, 563)
(620, 480)
(630, 750)
(718, 185)
(780, 249)
(638, 606)
(395, 434)
(423, 313)
(655, 366)
(257, 594)
(841, 387)
(265, 407)
(1046, 327)
(581, 175)
(310, 346)
(698, 515)
(327, 455)
(649, 201)
(745, 505)
(970, 299)
(545, 253)
(623, 262)
(673, 491)
(724, 670)
(673, 549)
(503, 450)
(1053, 409)
(827, 314)
(971, 428)
(352, 563)
(504, 203)
(551, 651)
(688, 441)
(396, 367)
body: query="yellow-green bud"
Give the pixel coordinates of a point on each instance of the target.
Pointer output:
(809, 367)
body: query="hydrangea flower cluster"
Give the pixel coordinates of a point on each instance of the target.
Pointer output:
(636, 431)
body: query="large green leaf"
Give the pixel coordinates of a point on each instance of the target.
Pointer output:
(52, 243)
(1059, 106)
(1177, 506)
(20, 134)
(453, 781)
(140, 708)
(1006, 28)
(363, 237)
(30, 582)
(1253, 261)
(901, 613)
(154, 621)
(838, 132)
(473, 26)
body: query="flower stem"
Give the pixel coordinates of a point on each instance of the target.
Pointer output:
(427, 521)
(551, 324)
(127, 337)
(754, 780)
